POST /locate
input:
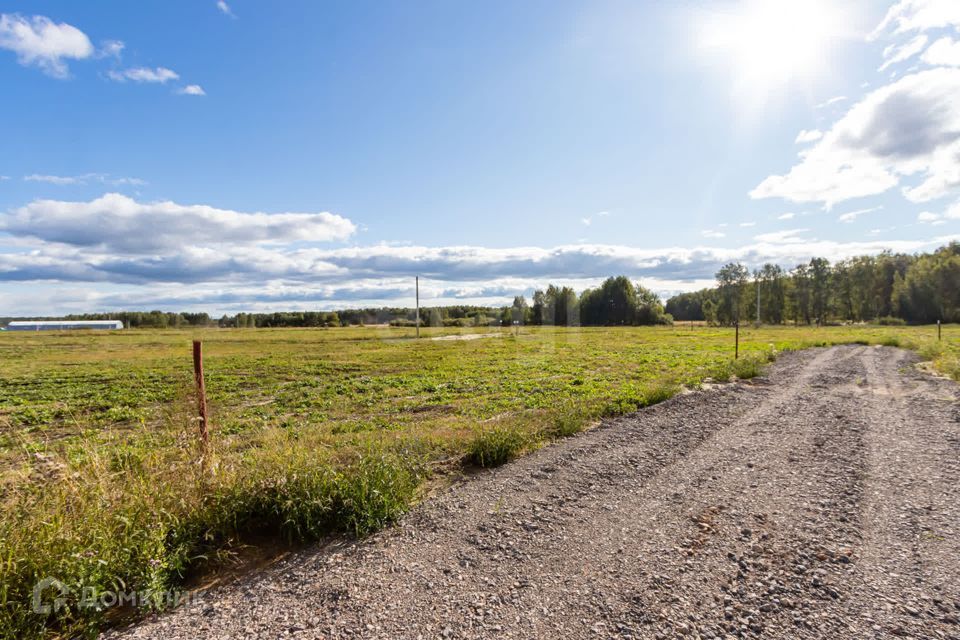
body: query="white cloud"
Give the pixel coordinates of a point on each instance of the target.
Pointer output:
(850, 216)
(830, 101)
(225, 8)
(908, 128)
(2, 178)
(58, 180)
(192, 90)
(788, 236)
(896, 53)
(86, 178)
(710, 233)
(118, 224)
(806, 136)
(928, 217)
(748, 224)
(41, 42)
(160, 75)
(588, 220)
(245, 273)
(943, 52)
(111, 49)
(786, 216)
(918, 15)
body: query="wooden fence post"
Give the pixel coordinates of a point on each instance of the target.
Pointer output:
(201, 395)
(939, 335)
(736, 347)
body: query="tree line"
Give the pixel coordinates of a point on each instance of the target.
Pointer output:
(889, 287)
(618, 301)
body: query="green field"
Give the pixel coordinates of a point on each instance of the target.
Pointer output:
(313, 431)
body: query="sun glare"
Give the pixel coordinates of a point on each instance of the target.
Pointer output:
(769, 43)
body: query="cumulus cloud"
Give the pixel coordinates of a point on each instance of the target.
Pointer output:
(928, 217)
(38, 41)
(710, 233)
(908, 128)
(120, 224)
(192, 90)
(944, 52)
(160, 75)
(806, 136)
(451, 267)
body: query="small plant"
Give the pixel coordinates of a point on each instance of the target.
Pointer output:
(495, 446)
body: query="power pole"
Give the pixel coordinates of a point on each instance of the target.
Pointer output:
(418, 305)
(757, 276)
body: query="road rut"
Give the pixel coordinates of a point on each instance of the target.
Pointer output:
(821, 500)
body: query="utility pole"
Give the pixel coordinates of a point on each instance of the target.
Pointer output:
(418, 305)
(757, 276)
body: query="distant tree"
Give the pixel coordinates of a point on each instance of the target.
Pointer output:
(732, 284)
(619, 302)
(772, 294)
(820, 288)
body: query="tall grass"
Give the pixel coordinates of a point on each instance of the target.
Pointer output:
(97, 526)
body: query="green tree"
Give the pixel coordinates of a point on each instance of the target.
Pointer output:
(732, 284)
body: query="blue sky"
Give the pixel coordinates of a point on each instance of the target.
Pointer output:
(304, 155)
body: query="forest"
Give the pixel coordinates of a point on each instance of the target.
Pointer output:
(886, 288)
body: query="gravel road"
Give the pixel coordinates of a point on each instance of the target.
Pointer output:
(819, 501)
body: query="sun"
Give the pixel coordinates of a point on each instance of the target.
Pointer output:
(770, 43)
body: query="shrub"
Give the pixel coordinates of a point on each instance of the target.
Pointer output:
(891, 321)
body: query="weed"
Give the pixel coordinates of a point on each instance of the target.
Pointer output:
(493, 446)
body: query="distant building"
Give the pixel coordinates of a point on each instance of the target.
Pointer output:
(62, 325)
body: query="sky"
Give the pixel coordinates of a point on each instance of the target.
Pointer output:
(233, 155)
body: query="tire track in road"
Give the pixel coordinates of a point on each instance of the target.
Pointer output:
(911, 551)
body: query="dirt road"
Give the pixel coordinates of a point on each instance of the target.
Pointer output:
(821, 501)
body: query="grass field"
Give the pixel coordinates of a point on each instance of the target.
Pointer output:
(313, 431)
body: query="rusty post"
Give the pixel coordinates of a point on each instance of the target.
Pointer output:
(201, 394)
(736, 347)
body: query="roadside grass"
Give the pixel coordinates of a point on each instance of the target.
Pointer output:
(315, 432)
